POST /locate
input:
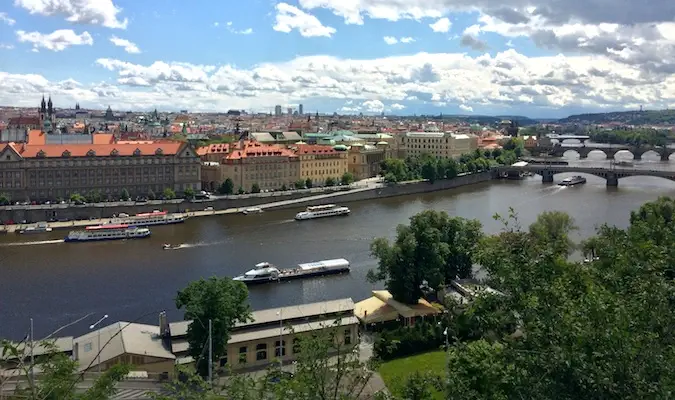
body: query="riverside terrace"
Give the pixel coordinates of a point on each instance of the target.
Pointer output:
(612, 175)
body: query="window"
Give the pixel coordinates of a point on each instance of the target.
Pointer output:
(91, 153)
(296, 346)
(280, 348)
(348, 337)
(87, 347)
(261, 352)
(243, 351)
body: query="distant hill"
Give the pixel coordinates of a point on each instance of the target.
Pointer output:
(648, 117)
(487, 119)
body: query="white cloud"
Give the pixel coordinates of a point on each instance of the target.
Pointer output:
(372, 106)
(128, 46)
(93, 12)
(5, 46)
(56, 41)
(466, 108)
(216, 24)
(289, 18)
(246, 31)
(442, 25)
(397, 106)
(510, 43)
(391, 40)
(6, 19)
(407, 39)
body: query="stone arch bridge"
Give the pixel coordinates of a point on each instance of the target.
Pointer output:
(637, 152)
(612, 175)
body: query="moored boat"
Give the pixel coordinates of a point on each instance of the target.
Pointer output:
(327, 210)
(107, 232)
(265, 272)
(152, 218)
(574, 180)
(40, 227)
(252, 210)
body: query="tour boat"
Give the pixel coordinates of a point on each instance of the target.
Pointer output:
(41, 227)
(327, 210)
(152, 218)
(108, 232)
(575, 180)
(265, 272)
(252, 210)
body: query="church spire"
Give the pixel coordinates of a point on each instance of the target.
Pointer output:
(50, 109)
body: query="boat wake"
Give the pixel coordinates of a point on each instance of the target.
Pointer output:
(193, 245)
(55, 241)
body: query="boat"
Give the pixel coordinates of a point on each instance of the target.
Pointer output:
(575, 180)
(327, 210)
(252, 210)
(265, 272)
(622, 163)
(167, 246)
(40, 227)
(107, 232)
(152, 218)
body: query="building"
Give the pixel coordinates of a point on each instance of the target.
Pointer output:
(300, 110)
(248, 163)
(289, 111)
(382, 308)
(438, 144)
(52, 167)
(318, 163)
(277, 110)
(365, 160)
(275, 333)
(275, 137)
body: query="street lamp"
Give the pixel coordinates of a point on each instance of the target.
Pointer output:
(98, 346)
(281, 337)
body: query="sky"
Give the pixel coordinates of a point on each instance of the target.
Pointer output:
(538, 58)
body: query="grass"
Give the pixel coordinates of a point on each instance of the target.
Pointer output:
(395, 372)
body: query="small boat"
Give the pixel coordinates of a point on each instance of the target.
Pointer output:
(252, 210)
(575, 180)
(265, 272)
(327, 210)
(167, 246)
(622, 163)
(41, 227)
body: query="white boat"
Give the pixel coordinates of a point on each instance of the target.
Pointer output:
(167, 246)
(152, 218)
(40, 227)
(265, 272)
(575, 180)
(107, 232)
(252, 210)
(327, 210)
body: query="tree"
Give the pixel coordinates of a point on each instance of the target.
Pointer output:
(189, 193)
(4, 199)
(94, 196)
(330, 181)
(300, 184)
(227, 187)
(255, 188)
(169, 194)
(347, 178)
(430, 170)
(418, 386)
(151, 195)
(124, 196)
(308, 183)
(552, 229)
(241, 190)
(284, 188)
(434, 248)
(77, 198)
(396, 167)
(221, 300)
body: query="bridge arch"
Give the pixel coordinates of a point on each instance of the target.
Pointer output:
(571, 154)
(626, 154)
(559, 175)
(597, 154)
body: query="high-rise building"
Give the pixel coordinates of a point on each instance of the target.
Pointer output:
(300, 110)
(289, 110)
(277, 111)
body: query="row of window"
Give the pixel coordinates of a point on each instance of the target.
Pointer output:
(100, 172)
(108, 162)
(97, 181)
(322, 172)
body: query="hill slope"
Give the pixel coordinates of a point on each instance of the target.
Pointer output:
(649, 117)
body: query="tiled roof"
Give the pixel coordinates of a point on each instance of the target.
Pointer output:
(314, 149)
(257, 149)
(215, 148)
(98, 150)
(23, 120)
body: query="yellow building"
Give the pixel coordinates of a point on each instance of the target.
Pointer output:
(318, 162)
(364, 160)
(275, 333)
(248, 163)
(438, 144)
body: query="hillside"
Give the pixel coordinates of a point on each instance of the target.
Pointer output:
(648, 117)
(486, 119)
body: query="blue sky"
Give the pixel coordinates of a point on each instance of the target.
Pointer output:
(364, 56)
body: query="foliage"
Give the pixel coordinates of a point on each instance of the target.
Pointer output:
(227, 187)
(94, 196)
(284, 188)
(646, 117)
(169, 194)
(330, 181)
(4, 199)
(241, 190)
(347, 178)
(124, 196)
(434, 248)
(151, 195)
(299, 184)
(308, 183)
(54, 375)
(405, 341)
(631, 136)
(421, 386)
(407, 376)
(221, 300)
(189, 193)
(552, 229)
(77, 198)
(255, 188)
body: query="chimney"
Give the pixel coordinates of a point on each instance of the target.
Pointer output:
(163, 324)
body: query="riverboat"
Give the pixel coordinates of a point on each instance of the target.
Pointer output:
(40, 227)
(107, 232)
(575, 180)
(152, 218)
(167, 246)
(265, 272)
(252, 210)
(327, 210)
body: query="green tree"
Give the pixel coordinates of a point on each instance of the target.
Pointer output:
(221, 300)
(434, 248)
(94, 196)
(77, 198)
(429, 170)
(300, 184)
(347, 178)
(284, 188)
(169, 194)
(124, 196)
(552, 230)
(255, 188)
(330, 181)
(419, 386)
(227, 187)
(189, 193)
(4, 199)
(308, 183)
(241, 190)
(151, 195)
(390, 178)
(396, 167)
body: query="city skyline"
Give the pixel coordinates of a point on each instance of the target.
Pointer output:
(536, 58)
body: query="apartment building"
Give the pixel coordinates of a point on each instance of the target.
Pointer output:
(319, 163)
(247, 163)
(438, 144)
(364, 160)
(49, 167)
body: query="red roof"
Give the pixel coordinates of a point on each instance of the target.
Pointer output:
(314, 149)
(257, 149)
(23, 120)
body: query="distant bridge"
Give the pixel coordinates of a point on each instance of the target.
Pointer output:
(612, 175)
(562, 138)
(637, 152)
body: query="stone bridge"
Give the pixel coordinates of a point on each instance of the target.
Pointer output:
(612, 175)
(637, 152)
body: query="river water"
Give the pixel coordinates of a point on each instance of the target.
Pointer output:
(56, 283)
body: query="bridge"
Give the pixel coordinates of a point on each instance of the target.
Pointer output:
(612, 175)
(637, 152)
(562, 138)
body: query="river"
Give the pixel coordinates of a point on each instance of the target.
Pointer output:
(55, 283)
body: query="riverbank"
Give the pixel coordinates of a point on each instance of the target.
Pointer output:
(371, 191)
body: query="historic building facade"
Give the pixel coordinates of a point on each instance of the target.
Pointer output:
(318, 162)
(438, 144)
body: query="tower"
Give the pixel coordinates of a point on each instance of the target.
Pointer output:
(43, 110)
(50, 108)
